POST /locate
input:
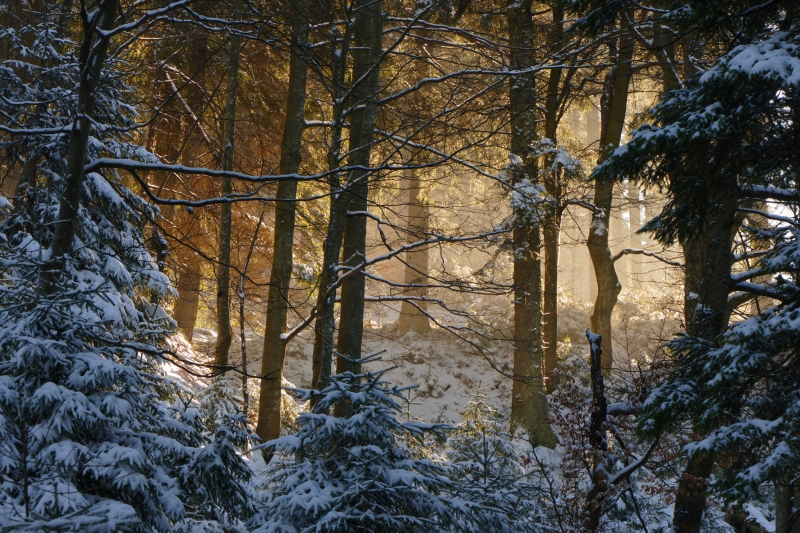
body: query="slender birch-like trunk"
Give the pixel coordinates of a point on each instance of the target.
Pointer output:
(613, 109)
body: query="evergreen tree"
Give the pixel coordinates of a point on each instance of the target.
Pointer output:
(354, 473)
(729, 137)
(487, 467)
(93, 436)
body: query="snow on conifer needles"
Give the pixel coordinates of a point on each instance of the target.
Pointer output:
(360, 472)
(93, 436)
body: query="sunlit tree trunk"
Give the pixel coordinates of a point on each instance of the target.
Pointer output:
(188, 286)
(528, 404)
(189, 262)
(269, 405)
(413, 317)
(224, 259)
(613, 109)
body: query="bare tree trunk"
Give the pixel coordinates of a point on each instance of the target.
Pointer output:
(224, 259)
(368, 29)
(95, 47)
(552, 226)
(528, 404)
(189, 262)
(613, 109)
(185, 311)
(242, 295)
(637, 220)
(413, 316)
(325, 324)
(274, 354)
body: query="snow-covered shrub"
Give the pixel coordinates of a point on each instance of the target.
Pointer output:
(355, 474)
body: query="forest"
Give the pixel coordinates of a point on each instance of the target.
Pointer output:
(284, 266)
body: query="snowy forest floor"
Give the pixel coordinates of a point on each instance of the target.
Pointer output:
(449, 371)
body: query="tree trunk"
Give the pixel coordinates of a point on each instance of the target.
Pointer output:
(787, 510)
(188, 262)
(552, 226)
(224, 259)
(593, 510)
(325, 324)
(613, 109)
(185, 311)
(528, 405)
(368, 29)
(273, 356)
(707, 257)
(65, 227)
(413, 317)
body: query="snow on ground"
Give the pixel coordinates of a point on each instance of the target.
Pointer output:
(446, 370)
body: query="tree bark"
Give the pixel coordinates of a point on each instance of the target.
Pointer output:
(613, 109)
(413, 317)
(185, 310)
(274, 354)
(325, 324)
(368, 29)
(188, 262)
(593, 510)
(224, 259)
(552, 226)
(93, 50)
(529, 409)
(787, 510)
(707, 259)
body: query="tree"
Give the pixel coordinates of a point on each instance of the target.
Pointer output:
(614, 104)
(718, 145)
(354, 473)
(269, 414)
(93, 435)
(529, 406)
(367, 52)
(488, 467)
(224, 330)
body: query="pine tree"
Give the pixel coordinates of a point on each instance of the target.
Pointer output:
(354, 473)
(487, 467)
(93, 436)
(725, 140)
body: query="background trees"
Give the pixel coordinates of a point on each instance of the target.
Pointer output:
(365, 175)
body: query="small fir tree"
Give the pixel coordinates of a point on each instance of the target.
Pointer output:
(486, 466)
(355, 474)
